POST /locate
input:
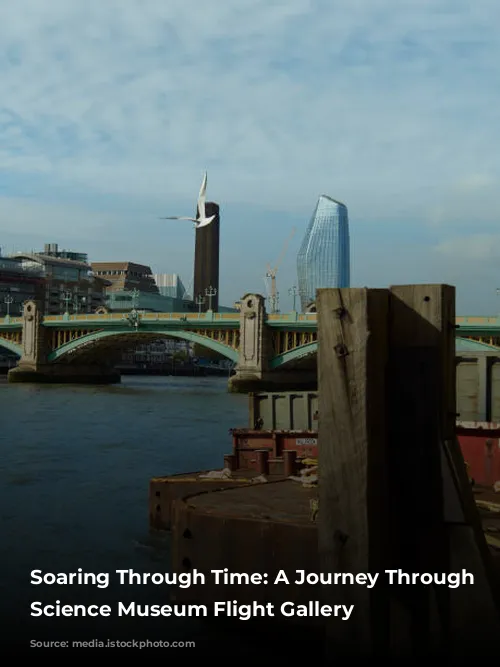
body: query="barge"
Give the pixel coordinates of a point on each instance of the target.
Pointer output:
(261, 451)
(283, 438)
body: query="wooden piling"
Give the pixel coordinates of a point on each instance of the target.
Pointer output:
(352, 356)
(393, 490)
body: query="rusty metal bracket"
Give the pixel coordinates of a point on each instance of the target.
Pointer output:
(340, 537)
(341, 350)
(340, 312)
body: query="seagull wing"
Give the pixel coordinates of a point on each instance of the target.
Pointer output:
(201, 198)
(205, 221)
(179, 218)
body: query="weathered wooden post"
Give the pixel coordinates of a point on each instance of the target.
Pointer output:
(393, 489)
(352, 520)
(420, 417)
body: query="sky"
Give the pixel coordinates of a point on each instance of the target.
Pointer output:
(111, 111)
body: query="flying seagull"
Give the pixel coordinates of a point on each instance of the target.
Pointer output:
(201, 221)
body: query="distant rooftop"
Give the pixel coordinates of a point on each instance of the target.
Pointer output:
(120, 266)
(52, 250)
(51, 259)
(13, 265)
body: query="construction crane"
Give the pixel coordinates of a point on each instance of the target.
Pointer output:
(271, 273)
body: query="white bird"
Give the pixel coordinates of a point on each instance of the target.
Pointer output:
(201, 221)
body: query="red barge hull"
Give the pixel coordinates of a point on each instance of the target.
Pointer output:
(480, 445)
(280, 453)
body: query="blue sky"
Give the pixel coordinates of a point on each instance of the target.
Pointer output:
(111, 111)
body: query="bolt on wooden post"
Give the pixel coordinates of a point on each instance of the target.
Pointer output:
(391, 487)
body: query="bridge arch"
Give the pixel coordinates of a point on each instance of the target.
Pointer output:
(190, 336)
(11, 346)
(294, 355)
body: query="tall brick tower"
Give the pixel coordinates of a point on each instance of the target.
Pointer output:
(206, 258)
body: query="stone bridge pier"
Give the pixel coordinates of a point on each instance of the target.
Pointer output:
(34, 366)
(252, 373)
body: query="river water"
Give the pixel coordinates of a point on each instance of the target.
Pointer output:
(75, 464)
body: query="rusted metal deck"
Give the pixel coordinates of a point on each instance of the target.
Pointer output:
(274, 454)
(164, 490)
(256, 528)
(282, 501)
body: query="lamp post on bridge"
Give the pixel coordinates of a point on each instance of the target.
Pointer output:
(301, 293)
(210, 292)
(79, 303)
(293, 292)
(135, 298)
(66, 297)
(133, 318)
(200, 300)
(8, 301)
(76, 301)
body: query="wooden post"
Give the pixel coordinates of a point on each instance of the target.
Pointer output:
(352, 357)
(435, 496)
(392, 489)
(421, 401)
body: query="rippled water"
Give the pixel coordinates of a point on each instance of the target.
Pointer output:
(75, 463)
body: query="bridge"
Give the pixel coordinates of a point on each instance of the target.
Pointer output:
(483, 329)
(270, 350)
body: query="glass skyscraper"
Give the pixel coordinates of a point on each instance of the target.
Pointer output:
(324, 256)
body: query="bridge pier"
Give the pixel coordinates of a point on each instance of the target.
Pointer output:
(252, 373)
(34, 367)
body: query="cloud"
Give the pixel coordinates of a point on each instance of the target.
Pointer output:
(471, 248)
(120, 106)
(477, 182)
(143, 94)
(77, 223)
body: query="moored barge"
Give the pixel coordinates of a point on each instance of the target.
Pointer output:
(283, 440)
